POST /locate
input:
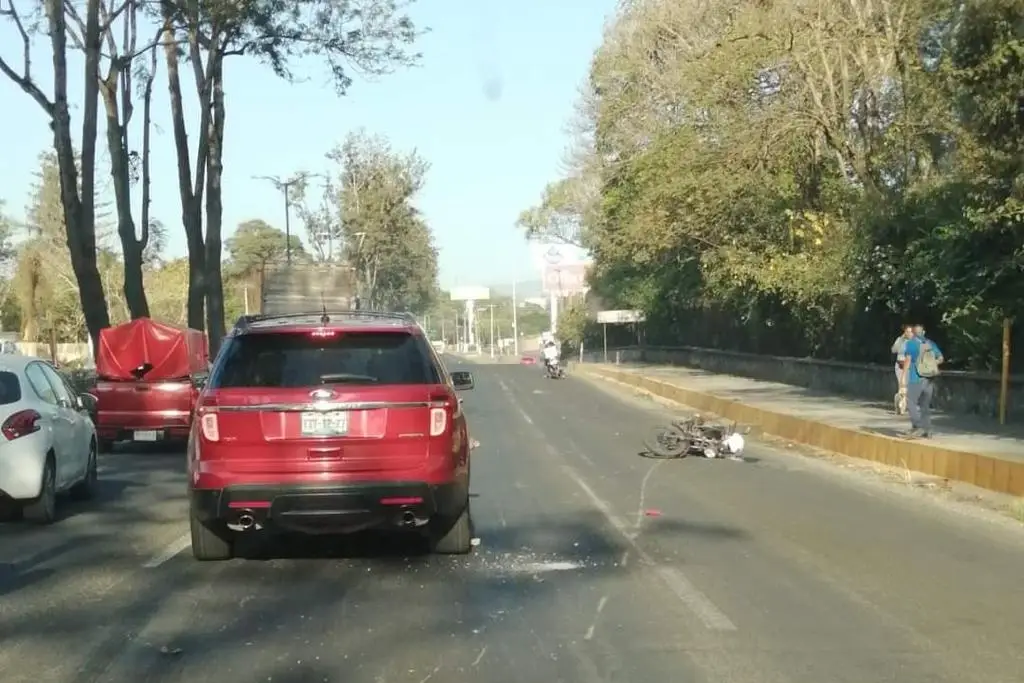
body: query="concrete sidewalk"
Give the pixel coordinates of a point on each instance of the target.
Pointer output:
(973, 451)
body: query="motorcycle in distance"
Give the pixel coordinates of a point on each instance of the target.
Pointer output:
(696, 435)
(553, 369)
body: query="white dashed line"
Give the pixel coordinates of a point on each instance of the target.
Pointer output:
(168, 552)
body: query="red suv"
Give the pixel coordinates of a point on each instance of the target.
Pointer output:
(329, 423)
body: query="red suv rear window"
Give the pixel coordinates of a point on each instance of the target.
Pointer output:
(303, 359)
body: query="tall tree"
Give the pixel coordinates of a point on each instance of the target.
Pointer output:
(44, 281)
(795, 178)
(371, 36)
(385, 237)
(78, 189)
(127, 164)
(256, 243)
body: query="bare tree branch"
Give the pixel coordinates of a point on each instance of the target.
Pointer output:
(24, 79)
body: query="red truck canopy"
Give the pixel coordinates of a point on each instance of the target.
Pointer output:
(174, 352)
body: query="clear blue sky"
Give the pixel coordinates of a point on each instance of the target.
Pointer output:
(490, 158)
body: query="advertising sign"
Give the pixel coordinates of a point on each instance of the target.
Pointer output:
(470, 294)
(544, 254)
(565, 280)
(620, 317)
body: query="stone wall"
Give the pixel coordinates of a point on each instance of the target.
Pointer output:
(963, 393)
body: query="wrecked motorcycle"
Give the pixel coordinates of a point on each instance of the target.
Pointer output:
(553, 369)
(698, 436)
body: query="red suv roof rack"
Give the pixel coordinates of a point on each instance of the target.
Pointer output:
(316, 318)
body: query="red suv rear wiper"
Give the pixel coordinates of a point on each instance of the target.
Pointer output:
(339, 377)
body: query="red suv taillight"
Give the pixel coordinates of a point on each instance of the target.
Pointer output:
(21, 423)
(443, 410)
(209, 427)
(206, 415)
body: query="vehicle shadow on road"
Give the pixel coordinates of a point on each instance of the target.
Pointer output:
(108, 491)
(144, 449)
(383, 546)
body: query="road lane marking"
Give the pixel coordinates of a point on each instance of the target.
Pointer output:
(579, 452)
(643, 492)
(697, 602)
(480, 656)
(172, 549)
(515, 404)
(597, 614)
(431, 674)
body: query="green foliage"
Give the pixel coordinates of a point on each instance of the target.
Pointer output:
(371, 37)
(793, 179)
(255, 243)
(383, 234)
(44, 283)
(576, 325)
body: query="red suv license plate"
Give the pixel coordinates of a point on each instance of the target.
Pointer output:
(334, 423)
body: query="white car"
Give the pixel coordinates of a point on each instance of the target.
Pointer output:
(47, 438)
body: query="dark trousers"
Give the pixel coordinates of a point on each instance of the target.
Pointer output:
(919, 404)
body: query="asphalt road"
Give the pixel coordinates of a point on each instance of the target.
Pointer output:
(594, 565)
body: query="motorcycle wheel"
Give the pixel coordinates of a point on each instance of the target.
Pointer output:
(666, 442)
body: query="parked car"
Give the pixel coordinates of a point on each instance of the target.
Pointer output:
(48, 442)
(147, 379)
(329, 423)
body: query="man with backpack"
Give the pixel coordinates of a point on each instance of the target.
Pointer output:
(921, 360)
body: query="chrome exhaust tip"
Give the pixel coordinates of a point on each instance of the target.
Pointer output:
(408, 518)
(246, 521)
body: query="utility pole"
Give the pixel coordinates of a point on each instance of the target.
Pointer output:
(515, 320)
(492, 329)
(285, 186)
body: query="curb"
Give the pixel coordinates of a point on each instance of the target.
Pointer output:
(983, 471)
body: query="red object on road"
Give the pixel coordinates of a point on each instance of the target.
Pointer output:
(173, 352)
(528, 360)
(146, 384)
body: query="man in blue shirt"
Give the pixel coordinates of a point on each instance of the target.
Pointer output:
(919, 389)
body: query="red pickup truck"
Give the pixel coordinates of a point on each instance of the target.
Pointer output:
(148, 376)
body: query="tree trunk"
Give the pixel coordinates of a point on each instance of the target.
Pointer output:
(131, 247)
(190, 192)
(214, 209)
(79, 209)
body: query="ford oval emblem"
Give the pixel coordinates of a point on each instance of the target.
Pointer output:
(321, 394)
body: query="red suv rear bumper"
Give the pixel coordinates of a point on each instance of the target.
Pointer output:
(334, 507)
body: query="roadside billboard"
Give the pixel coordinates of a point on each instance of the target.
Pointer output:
(565, 280)
(544, 254)
(470, 293)
(620, 317)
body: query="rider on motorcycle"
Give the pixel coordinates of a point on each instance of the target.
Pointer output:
(550, 352)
